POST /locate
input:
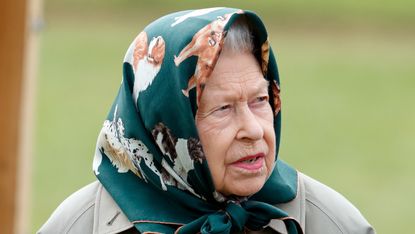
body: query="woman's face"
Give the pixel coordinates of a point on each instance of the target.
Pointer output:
(235, 124)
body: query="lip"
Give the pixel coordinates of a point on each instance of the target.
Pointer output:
(250, 166)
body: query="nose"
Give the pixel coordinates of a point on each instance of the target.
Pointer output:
(250, 128)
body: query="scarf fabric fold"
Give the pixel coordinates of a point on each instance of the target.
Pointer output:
(148, 154)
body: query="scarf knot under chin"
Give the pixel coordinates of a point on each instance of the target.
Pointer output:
(252, 215)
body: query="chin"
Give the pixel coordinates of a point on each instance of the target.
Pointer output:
(248, 190)
(246, 187)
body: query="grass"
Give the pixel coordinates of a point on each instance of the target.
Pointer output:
(349, 122)
(347, 86)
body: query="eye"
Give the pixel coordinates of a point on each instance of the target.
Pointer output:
(259, 101)
(222, 111)
(262, 99)
(224, 108)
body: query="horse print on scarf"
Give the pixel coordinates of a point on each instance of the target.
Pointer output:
(147, 61)
(206, 45)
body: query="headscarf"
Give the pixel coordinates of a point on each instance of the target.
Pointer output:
(148, 154)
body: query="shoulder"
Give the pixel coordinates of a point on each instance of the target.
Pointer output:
(327, 211)
(89, 210)
(75, 214)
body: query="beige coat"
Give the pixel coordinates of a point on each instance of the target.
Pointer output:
(318, 208)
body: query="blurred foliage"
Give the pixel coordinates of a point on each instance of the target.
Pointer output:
(347, 87)
(353, 11)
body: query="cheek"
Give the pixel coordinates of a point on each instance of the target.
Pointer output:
(270, 159)
(269, 137)
(214, 130)
(216, 141)
(271, 156)
(264, 112)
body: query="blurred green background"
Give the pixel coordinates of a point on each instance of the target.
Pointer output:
(347, 71)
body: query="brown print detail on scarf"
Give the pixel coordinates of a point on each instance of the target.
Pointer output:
(119, 156)
(195, 150)
(182, 153)
(147, 61)
(119, 149)
(153, 53)
(264, 57)
(206, 44)
(140, 48)
(168, 141)
(129, 153)
(276, 95)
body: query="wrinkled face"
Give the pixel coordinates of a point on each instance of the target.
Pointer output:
(235, 124)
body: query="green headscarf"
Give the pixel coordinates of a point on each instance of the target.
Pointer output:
(148, 155)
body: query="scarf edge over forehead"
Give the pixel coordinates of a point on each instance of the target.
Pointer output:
(138, 147)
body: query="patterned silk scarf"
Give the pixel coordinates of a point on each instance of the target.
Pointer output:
(148, 154)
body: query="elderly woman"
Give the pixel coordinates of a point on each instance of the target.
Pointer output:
(190, 144)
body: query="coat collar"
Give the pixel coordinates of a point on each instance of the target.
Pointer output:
(108, 217)
(295, 208)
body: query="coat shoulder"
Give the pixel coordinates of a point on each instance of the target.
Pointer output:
(327, 211)
(75, 214)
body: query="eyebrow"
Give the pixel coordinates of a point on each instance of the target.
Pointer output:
(259, 87)
(263, 85)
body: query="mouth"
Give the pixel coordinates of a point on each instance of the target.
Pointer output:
(250, 162)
